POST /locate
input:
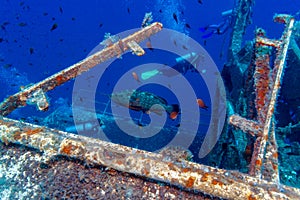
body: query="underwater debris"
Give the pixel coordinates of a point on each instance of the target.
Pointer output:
(267, 83)
(148, 18)
(75, 70)
(108, 39)
(136, 49)
(242, 18)
(39, 99)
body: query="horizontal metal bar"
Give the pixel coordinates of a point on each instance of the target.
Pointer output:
(188, 175)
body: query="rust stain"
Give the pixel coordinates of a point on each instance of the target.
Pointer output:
(17, 135)
(216, 182)
(29, 131)
(251, 197)
(258, 162)
(204, 177)
(190, 182)
(59, 79)
(275, 167)
(186, 170)
(4, 139)
(171, 166)
(119, 162)
(145, 172)
(67, 149)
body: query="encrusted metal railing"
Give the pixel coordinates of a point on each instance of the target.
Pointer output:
(267, 84)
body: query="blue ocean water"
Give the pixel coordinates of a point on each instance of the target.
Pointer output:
(40, 38)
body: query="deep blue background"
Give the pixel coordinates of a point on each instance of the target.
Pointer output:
(74, 38)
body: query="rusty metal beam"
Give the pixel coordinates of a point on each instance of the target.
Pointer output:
(116, 49)
(187, 175)
(242, 18)
(267, 83)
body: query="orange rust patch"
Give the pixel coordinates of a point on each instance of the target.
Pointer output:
(28, 131)
(275, 167)
(204, 177)
(171, 166)
(258, 162)
(59, 79)
(186, 170)
(275, 155)
(17, 135)
(214, 182)
(190, 182)
(112, 172)
(145, 172)
(119, 162)
(251, 197)
(66, 149)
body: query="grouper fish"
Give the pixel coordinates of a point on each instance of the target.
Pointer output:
(145, 102)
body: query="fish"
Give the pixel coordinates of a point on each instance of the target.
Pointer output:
(149, 45)
(200, 1)
(22, 24)
(184, 47)
(31, 50)
(175, 43)
(201, 104)
(175, 18)
(61, 10)
(3, 25)
(145, 102)
(173, 115)
(54, 26)
(136, 77)
(187, 25)
(6, 66)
